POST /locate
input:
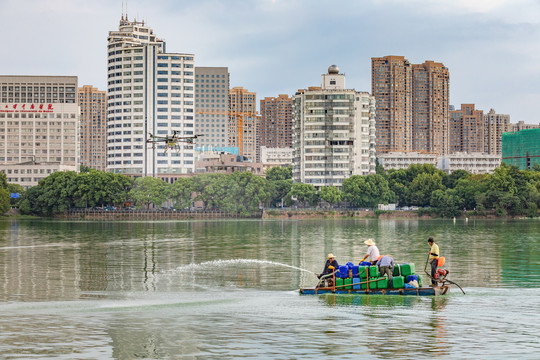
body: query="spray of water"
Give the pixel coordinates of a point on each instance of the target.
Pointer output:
(232, 262)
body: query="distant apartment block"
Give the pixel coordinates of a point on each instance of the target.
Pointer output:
(392, 85)
(39, 127)
(521, 148)
(494, 126)
(520, 125)
(149, 91)
(243, 122)
(93, 134)
(276, 121)
(412, 102)
(212, 106)
(467, 130)
(276, 156)
(333, 132)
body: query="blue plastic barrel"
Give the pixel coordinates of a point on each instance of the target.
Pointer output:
(355, 271)
(343, 271)
(356, 280)
(412, 278)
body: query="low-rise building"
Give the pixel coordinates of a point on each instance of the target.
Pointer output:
(277, 156)
(475, 163)
(226, 164)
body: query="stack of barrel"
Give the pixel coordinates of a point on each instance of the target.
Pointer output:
(363, 276)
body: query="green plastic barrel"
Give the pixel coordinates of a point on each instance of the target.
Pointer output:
(339, 282)
(398, 282)
(397, 270)
(372, 284)
(363, 272)
(407, 269)
(374, 271)
(419, 281)
(348, 281)
(382, 283)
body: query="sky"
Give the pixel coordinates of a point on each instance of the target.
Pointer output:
(491, 47)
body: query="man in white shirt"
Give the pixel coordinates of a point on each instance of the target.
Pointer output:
(372, 251)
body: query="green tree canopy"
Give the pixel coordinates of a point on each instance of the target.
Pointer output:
(279, 173)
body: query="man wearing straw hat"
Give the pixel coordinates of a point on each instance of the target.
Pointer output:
(372, 251)
(330, 265)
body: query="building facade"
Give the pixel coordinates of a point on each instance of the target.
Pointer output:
(333, 132)
(475, 163)
(494, 126)
(391, 85)
(412, 102)
(467, 130)
(211, 106)
(431, 101)
(93, 134)
(277, 156)
(39, 127)
(520, 125)
(243, 122)
(521, 148)
(276, 122)
(150, 92)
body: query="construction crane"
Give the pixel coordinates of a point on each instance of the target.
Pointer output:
(240, 115)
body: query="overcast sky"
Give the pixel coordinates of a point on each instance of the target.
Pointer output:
(492, 47)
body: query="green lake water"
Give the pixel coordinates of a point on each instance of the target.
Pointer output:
(229, 289)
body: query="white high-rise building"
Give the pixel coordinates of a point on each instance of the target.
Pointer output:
(333, 132)
(149, 91)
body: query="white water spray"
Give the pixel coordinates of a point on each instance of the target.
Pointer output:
(232, 262)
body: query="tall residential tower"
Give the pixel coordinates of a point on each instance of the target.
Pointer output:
(149, 91)
(93, 104)
(333, 132)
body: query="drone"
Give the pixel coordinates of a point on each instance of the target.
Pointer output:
(171, 142)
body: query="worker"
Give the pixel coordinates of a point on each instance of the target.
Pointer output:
(386, 266)
(372, 252)
(330, 266)
(433, 259)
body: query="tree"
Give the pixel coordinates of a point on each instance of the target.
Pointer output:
(330, 194)
(278, 191)
(181, 192)
(57, 193)
(447, 202)
(451, 180)
(304, 193)
(4, 201)
(421, 188)
(367, 191)
(149, 190)
(3, 181)
(15, 189)
(279, 173)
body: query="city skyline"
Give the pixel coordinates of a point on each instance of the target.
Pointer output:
(488, 46)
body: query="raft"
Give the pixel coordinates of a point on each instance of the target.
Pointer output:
(427, 291)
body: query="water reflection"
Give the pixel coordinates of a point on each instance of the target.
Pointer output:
(369, 300)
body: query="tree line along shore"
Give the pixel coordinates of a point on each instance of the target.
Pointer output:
(507, 192)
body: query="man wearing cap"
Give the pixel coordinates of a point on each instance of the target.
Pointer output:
(330, 266)
(433, 259)
(372, 251)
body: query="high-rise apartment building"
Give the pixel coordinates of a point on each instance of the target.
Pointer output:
(149, 91)
(391, 85)
(243, 122)
(431, 97)
(467, 130)
(520, 125)
(276, 122)
(39, 127)
(93, 134)
(521, 148)
(333, 132)
(494, 126)
(412, 105)
(211, 106)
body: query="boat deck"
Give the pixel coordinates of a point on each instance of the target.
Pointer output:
(428, 291)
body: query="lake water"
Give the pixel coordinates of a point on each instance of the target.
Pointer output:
(229, 289)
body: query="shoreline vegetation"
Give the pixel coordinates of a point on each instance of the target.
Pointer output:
(508, 192)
